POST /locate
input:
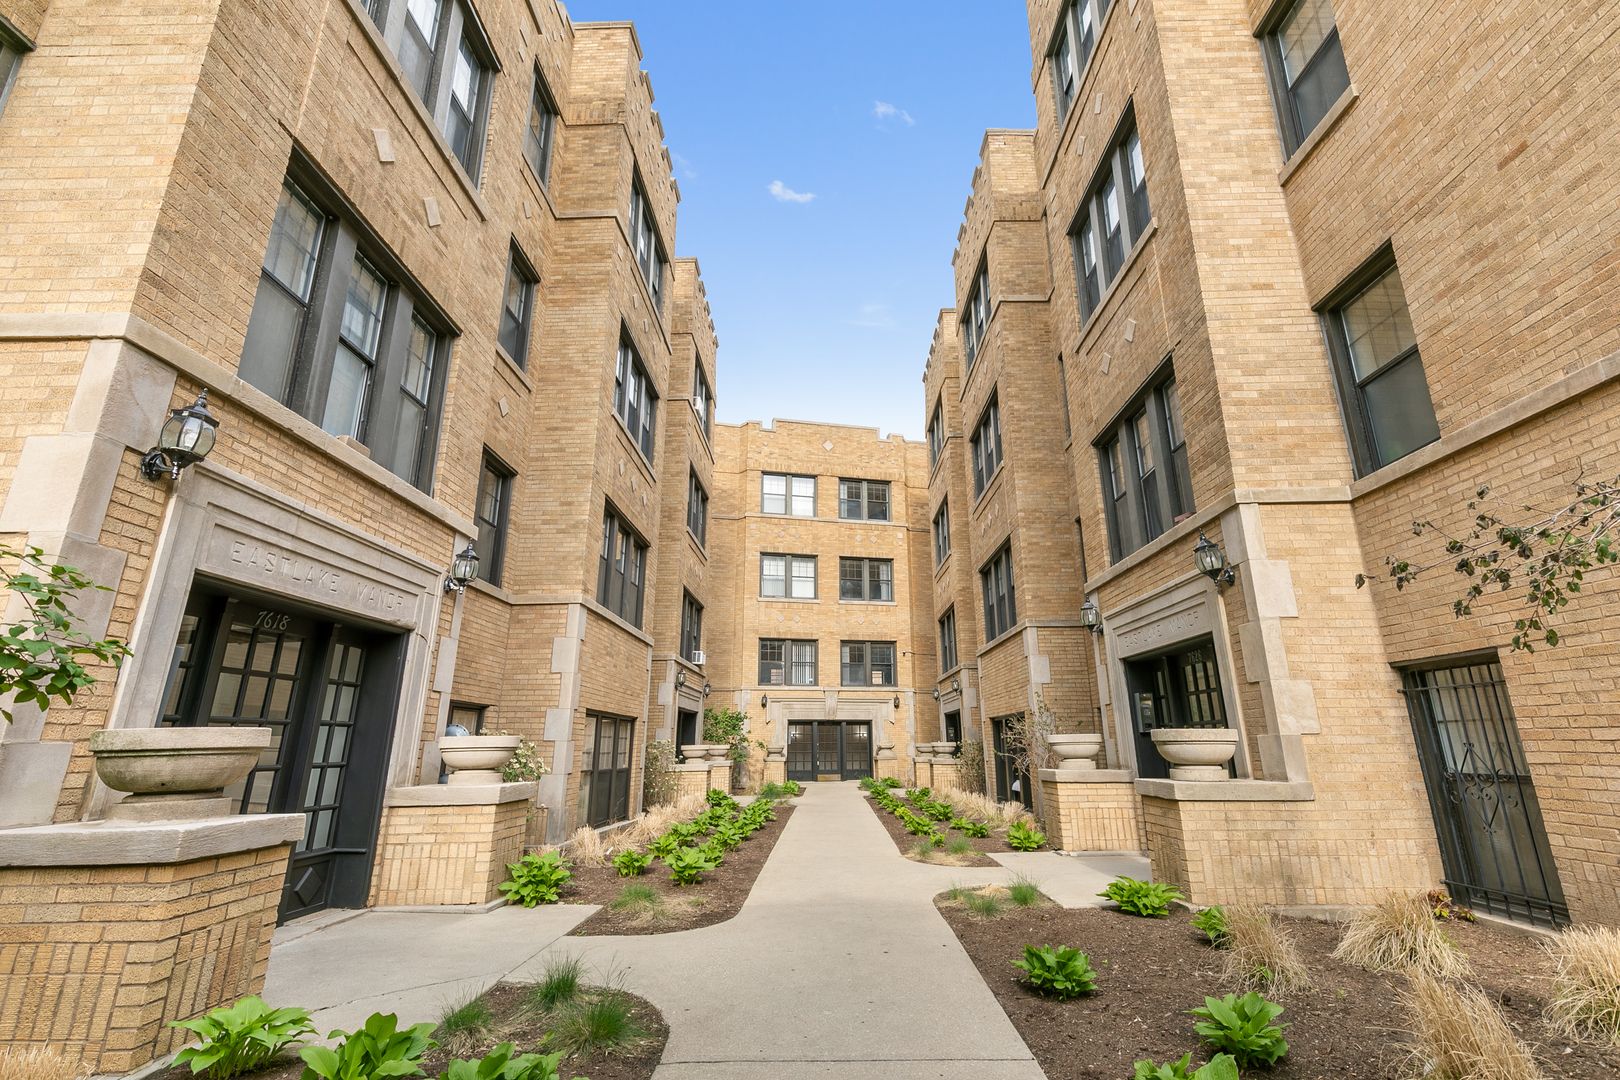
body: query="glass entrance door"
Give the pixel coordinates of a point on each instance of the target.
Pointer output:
(1177, 689)
(829, 750)
(1012, 784)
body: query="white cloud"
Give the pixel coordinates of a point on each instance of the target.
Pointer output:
(884, 111)
(685, 166)
(783, 193)
(873, 316)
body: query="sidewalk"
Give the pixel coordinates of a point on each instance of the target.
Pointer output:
(837, 966)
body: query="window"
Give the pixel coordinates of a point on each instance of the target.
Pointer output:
(491, 515)
(537, 137)
(863, 500)
(936, 434)
(691, 627)
(447, 60)
(942, 533)
(787, 663)
(866, 579)
(1063, 388)
(647, 248)
(868, 663)
(947, 639)
(604, 770)
(790, 576)
(1146, 483)
(1307, 69)
(634, 398)
(470, 717)
(1075, 39)
(976, 319)
(1112, 218)
(1000, 605)
(1380, 374)
(697, 509)
(340, 334)
(517, 307)
(775, 497)
(621, 579)
(11, 54)
(702, 397)
(986, 447)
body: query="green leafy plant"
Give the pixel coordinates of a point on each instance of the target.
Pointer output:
(730, 835)
(889, 782)
(503, 1063)
(40, 653)
(526, 763)
(714, 851)
(1149, 899)
(664, 846)
(1212, 921)
(727, 726)
(1025, 892)
(559, 982)
(1220, 1067)
(717, 798)
(1242, 1027)
(536, 879)
(938, 811)
(793, 788)
(921, 795)
(916, 826)
(660, 783)
(772, 790)
(378, 1049)
(241, 1037)
(1025, 837)
(686, 865)
(969, 827)
(686, 832)
(1062, 972)
(631, 862)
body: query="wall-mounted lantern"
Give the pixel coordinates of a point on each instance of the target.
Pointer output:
(706, 688)
(463, 569)
(680, 676)
(897, 701)
(186, 438)
(1211, 560)
(1090, 617)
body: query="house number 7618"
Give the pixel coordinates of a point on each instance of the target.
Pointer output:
(270, 620)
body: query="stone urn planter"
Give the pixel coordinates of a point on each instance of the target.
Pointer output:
(175, 773)
(944, 750)
(1196, 753)
(1075, 753)
(477, 759)
(695, 752)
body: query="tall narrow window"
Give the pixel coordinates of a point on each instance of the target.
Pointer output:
(1306, 65)
(1176, 438)
(866, 579)
(634, 398)
(1112, 218)
(359, 332)
(976, 315)
(621, 579)
(446, 59)
(605, 770)
(863, 500)
(787, 576)
(936, 434)
(1381, 378)
(493, 511)
(1143, 459)
(282, 303)
(947, 640)
(986, 447)
(415, 397)
(1000, 604)
(517, 307)
(942, 532)
(697, 509)
(416, 47)
(647, 248)
(1064, 69)
(467, 76)
(11, 54)
(537, 137)
(691, 627)
(867, 663)
(702, 396)
(1073, 43)
(1063, 388)
(781, 493)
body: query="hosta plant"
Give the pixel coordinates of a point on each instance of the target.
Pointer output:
(1025, 837)
(793, 788)
(1220, 1067)
(536, 879)
(1062, 972)
(1149, 899)
(1212, 921)
(503, 1063)
(665, 845)
(686, 865)
(922, 795)
(969, 827)
(379, 1049)
(631, 862)
(716, 797)
(938, 811)
(729, 835)
(915, 825)
(714, 851)
(889, 782)
(242, 1037)
(1242, 1027)
(687, 832)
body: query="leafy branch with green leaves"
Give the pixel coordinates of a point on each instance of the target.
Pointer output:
(1547, 552)
(40, 653)
(729, 726)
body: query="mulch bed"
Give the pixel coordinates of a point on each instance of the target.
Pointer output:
(1351, 1027)
(904, 841)
(515, 1024)
(717, 898)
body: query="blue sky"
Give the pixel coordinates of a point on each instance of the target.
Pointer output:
(825, 306)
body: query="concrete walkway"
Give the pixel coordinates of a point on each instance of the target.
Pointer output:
(837, 966)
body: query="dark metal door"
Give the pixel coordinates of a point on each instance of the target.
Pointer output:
(829, 750)
(857, 763)
(800, 755)
(1492, 839)
(1011, 783)
(829, 763)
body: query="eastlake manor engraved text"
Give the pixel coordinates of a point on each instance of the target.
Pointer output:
(296, 573)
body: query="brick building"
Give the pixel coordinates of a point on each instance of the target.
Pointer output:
(1264, 272)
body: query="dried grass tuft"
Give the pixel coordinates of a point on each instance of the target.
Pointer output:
(38, 1063)
(1401, 934)
(1586, 985)
(1460, 1034)
(586, 847)
(1260, 955)
(689, 806)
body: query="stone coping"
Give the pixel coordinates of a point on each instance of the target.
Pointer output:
(100, 843)
(461, 794)
(1227, 790)
(1084, 776)
(691, 766)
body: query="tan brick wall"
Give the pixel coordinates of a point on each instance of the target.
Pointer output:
(1095, 817)
(446, 855)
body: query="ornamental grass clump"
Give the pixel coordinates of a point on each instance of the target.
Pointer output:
(1586, 984)
(37, 1063)
(560, 981)
(1401, 934)
(1061, 972)
(585, 847)
(1260, 955)
(463, 1026)
(1024, 891)
(1460, 1034)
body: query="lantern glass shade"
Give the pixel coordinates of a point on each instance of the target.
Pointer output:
(1209, 557)
(464, 567)
(188, 435)
(1089, 615)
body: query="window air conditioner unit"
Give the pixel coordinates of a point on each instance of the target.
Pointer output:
(698, 658)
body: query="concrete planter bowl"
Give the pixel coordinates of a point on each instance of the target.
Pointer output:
(175, 773)
(1075, 753)
(1196, 753)
(477, 759)
(695, 752)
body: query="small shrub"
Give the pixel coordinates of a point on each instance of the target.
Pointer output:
(501, 1064)
(1460, 1034)
(602, 1023)
(938, 811)
(1023, 837)
(559, 981)
(1212, 921)
(1220, 1067)
(1149, 899)
(631, 862)
(686, 866)
(377, 1049)
(1260, 956)
(1025, 892)
(771, 790)
(1401, 934)
(1586, 984)
(1062, 972)
(242, 1037)
(976, 829)
(536, 879)
(1242, 1027)
(462, 1027)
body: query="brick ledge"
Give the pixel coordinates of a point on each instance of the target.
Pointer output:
(1227, 791)
(95, 843)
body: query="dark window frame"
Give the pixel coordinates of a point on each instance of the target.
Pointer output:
(1144, 494)
(13, 48)
(635, 397)
(787, 496)
(864, 500)
(947, 640)
(622, 589)
(697, 509)
(976, 314)
(1075, 36)
(867, 664)
(702, 397)
(942, 533)
(1327, 63)
(492, 549)
(1000, 594)
(936, 435)
(540, 133)
(428, 68)
(1115, 167)
(478, 711)
(985, 446)
(691, 626)
(647, 249)
(865, 579)
(516, 333)
(596, 809)
(787, 663)
(789, 577)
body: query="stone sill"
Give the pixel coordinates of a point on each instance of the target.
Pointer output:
(693, 766)
(461, 794)
(1227, 790)
(97, 843)
(1084, 776)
